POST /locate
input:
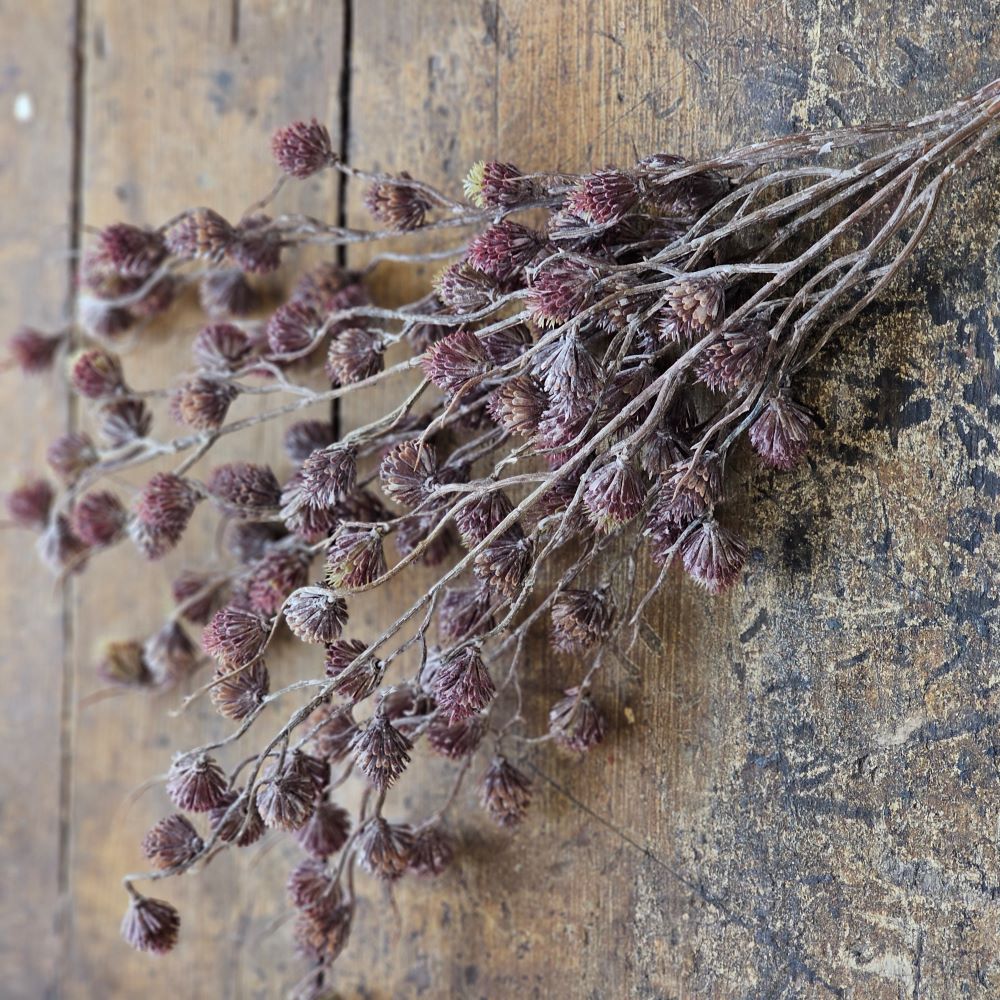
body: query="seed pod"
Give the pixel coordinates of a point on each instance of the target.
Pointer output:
(560, 290)
(613, 494)
(237, 693)
(173, 841)
(506, 792)
(504, 563)
(355, 557)
(70, 455)
(29, 504)
(714, 556)
(196, 784)
(462, 685)
(243, 826)
(170, 655)
(33, 351)
(326, 831)
(220, 348)
(333, 731)
(736, 359)
(98, 519)
(302, 148)
(286, 797)
(133, 252)
(518, 404)
(408, 473)
(503, 250)
(235, 636)
(201, 234)
(123, 664)
(356, 676)
(150, 924)
(244, 489)
(382, 751)
(457, 739)
(693, 487)
(780, 435)
(481, 515)
(202, 403)
(292, 329)
(604, 197)
(693, 307)
(275, 577)
(497, 185)
(256, 246)
(581, 619)
(384, 848)
(315, 614)
(576, 722)
(433, 850)
(321, 934)
(464, 612)
(397, 205)
(355, 354)
(456, 360)
(96, 373)
(226, 293)
(328, 475)
(123, 421)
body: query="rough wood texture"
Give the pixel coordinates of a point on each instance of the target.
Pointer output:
(799, 798)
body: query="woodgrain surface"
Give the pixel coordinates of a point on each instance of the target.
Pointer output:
(800, 794)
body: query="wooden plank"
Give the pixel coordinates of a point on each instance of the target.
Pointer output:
(181, 100)
(36, 168)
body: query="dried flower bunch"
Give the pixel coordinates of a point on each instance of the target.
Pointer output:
(588, 361)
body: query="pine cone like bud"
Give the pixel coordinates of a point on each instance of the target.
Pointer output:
(32, 351)
(385, 848)
(301, 149)
(226, 293)
(292, 330)
(693, 307)
(244, 489)
(150, 925)
(328, 475)
(497, 185)
(286, 797)
(356, 675)
(239, 692)
(458, 739)
(326, 832)
(59, 548)
(736, 359)
(202, 403)
(685, 197)
(196, 596)
(163, 509)
(355, 354)
(518, 404)
(173, 841)
(96, 373)
(482, 515)
(462, 685)
(235, 636)
(315, 614)
(569, 374)
(132, 252)
(614, 494)
(560, 290)
(455, 360)
(463, 289)
(321, 934)
(504, 563)
(220, 348)
(504, 250)
(382, 751)
(433, 851)
(29, 504)
(409, 473)
(464, 612)
(196, 784)
(780, 435)
(98, 519)
(123, 664)
(506, 792)
(243, 826)
(274, 578)
(692, 488)
(70, 454)
(123, 421)
(397, 205)
(200, 235)
(714, 556)
(170, 655)
(310, 885)
(576, 722)
(581, 619)
(256, 247)
(603, 197)
(355, 558)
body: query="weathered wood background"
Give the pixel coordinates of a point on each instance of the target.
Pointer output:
(801, 794)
